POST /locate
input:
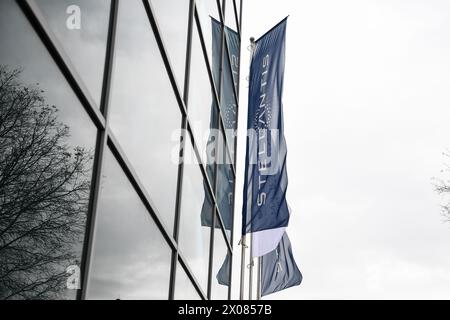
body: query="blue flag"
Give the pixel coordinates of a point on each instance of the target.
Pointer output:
(228, 109)
(225, 175)
(223, 275)
(278, 269)
(265, 210)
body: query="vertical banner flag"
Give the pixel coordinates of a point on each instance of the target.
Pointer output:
(265, 211)
(228, 109)
(278, 269)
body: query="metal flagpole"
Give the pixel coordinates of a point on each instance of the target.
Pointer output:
(243, 239)
(258, 285)
(244, 246)
(250, 274)
(251, 265)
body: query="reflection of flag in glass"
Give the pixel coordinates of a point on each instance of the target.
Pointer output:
(228, 109)
(225, 176)
(223, 276)
(265, 210)
(278, 269)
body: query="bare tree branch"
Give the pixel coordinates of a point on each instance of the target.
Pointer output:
(44, 190)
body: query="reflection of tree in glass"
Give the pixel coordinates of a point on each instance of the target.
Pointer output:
(44, 189)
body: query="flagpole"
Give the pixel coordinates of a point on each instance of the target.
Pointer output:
(250, 275)
(252, 264)
(243, 239)
(258, 286)
(243, 247)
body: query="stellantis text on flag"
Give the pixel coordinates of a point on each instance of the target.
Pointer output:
(268, 161)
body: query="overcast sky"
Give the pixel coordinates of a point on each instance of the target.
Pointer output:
(367, 118)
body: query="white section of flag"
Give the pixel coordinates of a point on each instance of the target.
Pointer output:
(266, 240)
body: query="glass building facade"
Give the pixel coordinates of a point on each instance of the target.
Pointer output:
(117, 148)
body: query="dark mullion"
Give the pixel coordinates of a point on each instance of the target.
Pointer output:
(101, 148)
(221, 16)
(37, 20)
(177, 209)
(92, 212)
(236, 142)
(240, 17)
(181, 151)
(109, 59)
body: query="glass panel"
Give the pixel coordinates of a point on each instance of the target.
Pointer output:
(225, 183)
(195, 221)
(221, 268)
(234, 51)
(184, 289)
(228, 105)
(207, 13)
(225, 196)
(47, 145)
(230, 62)
(202, 107)
(81, 26)
(238, 9)
(145, 115)
(131, 259)
(230, 17)
(168, 12)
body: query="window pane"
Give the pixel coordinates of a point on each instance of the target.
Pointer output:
(202, 107)
(221, 268)
(225, 195)
(228, 105)
(230, 77)
(145, 115)
(131, 259)
(47, 145)
(234, 52)
(230, 17)
(184, 289)
(207, 13)
(195, 215)
(238, 9)
(81, 26)
(225, 184)
(173, 16)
